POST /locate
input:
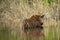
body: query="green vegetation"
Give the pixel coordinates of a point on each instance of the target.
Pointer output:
(50, 1)
(52, 34)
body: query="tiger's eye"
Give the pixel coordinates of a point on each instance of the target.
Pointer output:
(41, 23)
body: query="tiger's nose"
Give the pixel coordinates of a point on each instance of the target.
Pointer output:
(41, 27)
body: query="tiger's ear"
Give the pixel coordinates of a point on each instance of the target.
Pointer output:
(42, 16)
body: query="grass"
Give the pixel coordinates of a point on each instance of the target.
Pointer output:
(52, 34)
